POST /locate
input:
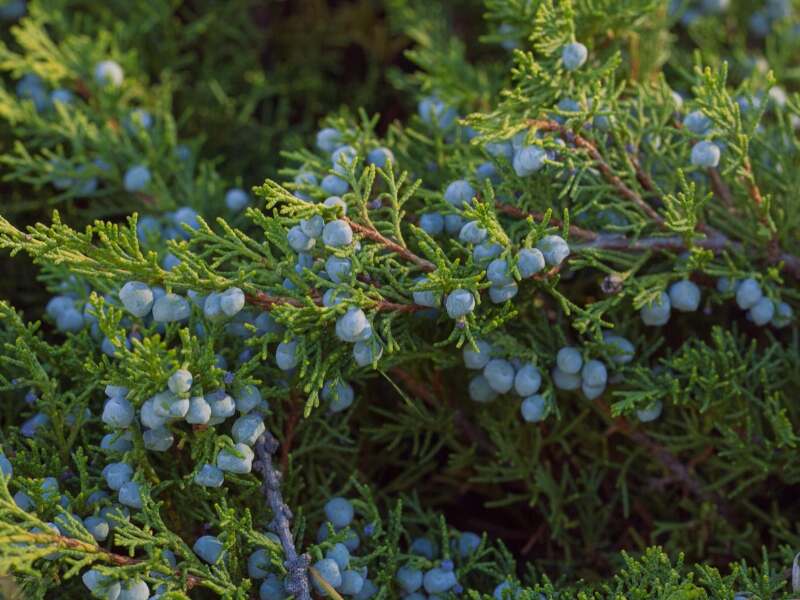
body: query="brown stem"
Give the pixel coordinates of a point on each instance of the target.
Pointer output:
(377, 236)
(268, 301)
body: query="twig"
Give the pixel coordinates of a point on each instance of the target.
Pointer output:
(377, 236)
(514, 211)
(297, 565)
(268, 301)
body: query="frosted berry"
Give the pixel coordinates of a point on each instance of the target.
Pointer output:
(136, 178)
(422, 546)
(238, 460)
(137, 298)
(339, 511)
(199, 411)
(337, 234)
(208, 548)
(697, 122)
(554, 249)
(329, 571)
(98, 527)
(468, 543)
(409, 579)
(170, 308)
(380, 157)
(366, 353)
(592, 391)
(651, 412)
(783, 315)
(684, 296)
(527, 380)
(472, 233)
(459, 193)
(236, 199)
(477, 359)
(438, 580)
(130, 495)
(459, 303)
(209, 476)
(108, 72)
(705, 154)
(429, 298)
(334, 186)
(480, 391)
(352, 326)
(594, 373)
(328, 139)
(565, 381)
(657, 312)
(748, 293)
(117, 474)
(499, 374)
(101, 586)
(453, 223)
(342, 158)
(503, 293)
(431, 223)
(340, 554)
(338, 268)
(231, 301)
(336, 202)
(433, 111)
(157, 440)
(352, 583)
(762, 311)
(574, 55)
(180, 381)
(286, 355)
(312, 226)
(528, 160)
(530, 261)
(497, 272)
(248, 428)
(569, 360)
(298, 240)
(533, 408)
(623, 348)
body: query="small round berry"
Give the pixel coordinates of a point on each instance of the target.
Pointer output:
(499, 374)
(657, 312)
(328, 139)
(480, 391)
(431, 223)
(592, 391)
(459, 193)
(569, 360)
(117, 474)
(472, 233)
(528, 160)
(483, 253)
(697, 122)
(199, 412)
(503, 293)
(352, 583)
(367, 352)
(459, 303)
(171, 307)
(554, 249)
(339, 397)
(248, 428)
(208, 548)
(180, 381)
(337, 234)
(506, 591)
(339, 511)
(380, 157)
(334, 186)
(137, 298)
(342, 158)
(422, 546)
(477, 359)
(239, 459)
(705, 154)
(338, 268)
(352, 326)
(651, 412)
(726, 285)
(453, 223)
(488, 171)
(527, 380)
(783, 315)
(130, 495)
(286, 355)
(762, 311)
(108, 72)
(533, 408)
(435, 112)
(312, 226)
(574, 55)
(236, 199)
(340, 554)
(566, 381)
(101, 585)
(438, 580)
(209, 476)
(530, 261)
(136, 178)
(684, 296)
(594, 373)
(468, 543)
(409, 579)
(623, 348)
(748, 293)
(298, 240)
(98, 527)
(231, 301)
(134, 589)
(158, 440)
(497, 272)
(329, 571)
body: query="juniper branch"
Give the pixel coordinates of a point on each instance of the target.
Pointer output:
(297, 565)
